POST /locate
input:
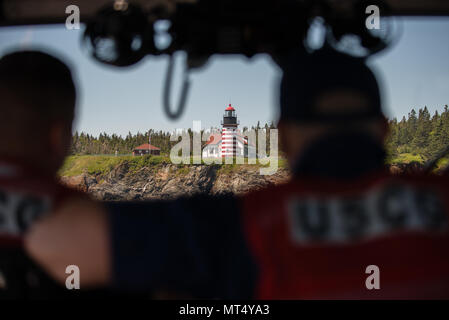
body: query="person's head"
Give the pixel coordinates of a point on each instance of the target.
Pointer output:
(326, 93)
(38, 97)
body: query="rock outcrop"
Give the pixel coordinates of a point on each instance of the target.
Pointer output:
(171, 181)
(167, 181)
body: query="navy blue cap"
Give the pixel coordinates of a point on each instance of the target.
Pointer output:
(308, 76)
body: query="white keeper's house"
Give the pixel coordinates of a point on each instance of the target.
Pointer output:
(230, 142)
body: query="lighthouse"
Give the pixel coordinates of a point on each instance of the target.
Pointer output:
(230, 142)
(229, 133)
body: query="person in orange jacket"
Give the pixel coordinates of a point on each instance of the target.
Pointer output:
(38, 96)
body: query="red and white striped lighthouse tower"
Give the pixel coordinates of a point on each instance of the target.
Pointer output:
(229, 133)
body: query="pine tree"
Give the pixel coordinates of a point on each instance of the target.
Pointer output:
(423, 128)
(412, 124)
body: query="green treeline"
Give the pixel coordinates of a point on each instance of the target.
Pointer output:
(419, 133)
(85, 144)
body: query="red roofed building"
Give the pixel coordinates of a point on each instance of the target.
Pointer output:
(213, 146)
(146, 149)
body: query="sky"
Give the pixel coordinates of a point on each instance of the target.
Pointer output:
(414, 73)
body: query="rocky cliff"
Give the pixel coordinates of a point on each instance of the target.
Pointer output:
(165, 180)
(169, 181)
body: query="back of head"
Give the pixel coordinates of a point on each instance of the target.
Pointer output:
(37, 93)
(328, 100)
(328, 87)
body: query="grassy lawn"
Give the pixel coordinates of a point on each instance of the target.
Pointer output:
(95, 164)
(406, 158)
(75, 165)
(443, 163)
(103, 164)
